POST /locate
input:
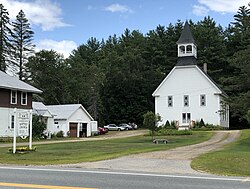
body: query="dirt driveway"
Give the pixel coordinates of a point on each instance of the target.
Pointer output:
(175, 161)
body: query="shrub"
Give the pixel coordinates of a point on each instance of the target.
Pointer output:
(167, 125)
(165, 132)
(38, 126)
(60, 134)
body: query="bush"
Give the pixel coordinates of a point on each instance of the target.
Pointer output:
(38, 126)
(165, 132)
(60, 134)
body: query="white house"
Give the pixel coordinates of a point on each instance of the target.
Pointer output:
(187, 93)
(15, 103)
(72, 119)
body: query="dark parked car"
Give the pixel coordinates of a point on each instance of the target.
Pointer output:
(126, 126)
(114, 127)
(102, 130)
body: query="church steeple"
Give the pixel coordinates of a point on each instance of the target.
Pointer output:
(186, 45)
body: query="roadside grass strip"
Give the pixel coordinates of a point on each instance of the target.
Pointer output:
(233, 160)
(89, 151)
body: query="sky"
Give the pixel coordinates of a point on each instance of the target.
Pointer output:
(63, 25)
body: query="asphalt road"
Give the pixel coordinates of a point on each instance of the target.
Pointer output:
(58, 178)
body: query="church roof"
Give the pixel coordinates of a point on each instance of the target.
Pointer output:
(184, 61)
(186, 35)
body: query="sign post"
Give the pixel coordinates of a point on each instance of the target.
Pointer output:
(15, 125)
(30, 142)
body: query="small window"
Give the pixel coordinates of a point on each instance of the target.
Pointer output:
(170, 101)
(12, 121)
(13, 99)
(203, 100)
(182, 49)
(189, 49)
(24, 98)
(186, 100)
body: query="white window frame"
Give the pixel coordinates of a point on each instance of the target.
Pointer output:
(186, 100)
(203, 101)
(13, 97)
(186, 117)
(170, 101)
(24, 98)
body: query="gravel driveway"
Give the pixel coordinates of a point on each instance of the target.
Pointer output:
(175, 161)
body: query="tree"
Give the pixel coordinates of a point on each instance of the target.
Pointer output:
(38, 126)
(22, 46)
(5, 33)
(48, 72)
(150, 121)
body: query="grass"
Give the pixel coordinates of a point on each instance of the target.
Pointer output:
(66, 153)
(233, 160)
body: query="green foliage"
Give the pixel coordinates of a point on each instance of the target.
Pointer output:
(150, 121)
(22, 46)
(5, 43)
(166, 132)
(248, 116)
(60, 134)
(38, 126)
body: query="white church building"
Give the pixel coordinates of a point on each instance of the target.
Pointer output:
(188, 94)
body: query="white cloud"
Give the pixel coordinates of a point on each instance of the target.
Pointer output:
(64, 47)
(42, 13)
(118, 8)
(223, 6)
(200, 10)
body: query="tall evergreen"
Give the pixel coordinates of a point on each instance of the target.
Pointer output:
(4, 38)
(22, 37)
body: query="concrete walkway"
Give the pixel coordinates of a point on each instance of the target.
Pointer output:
(174, 161)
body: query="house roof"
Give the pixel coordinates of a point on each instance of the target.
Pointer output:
(186, 35)
(8, 82)
(205, 75)
(40, 109)
(66, 111)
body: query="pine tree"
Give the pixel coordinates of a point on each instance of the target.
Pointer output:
(22, 37)
(4, 38)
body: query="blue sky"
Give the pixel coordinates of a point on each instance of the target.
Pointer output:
(63, 25)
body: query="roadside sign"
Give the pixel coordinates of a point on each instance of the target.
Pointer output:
(23, 124)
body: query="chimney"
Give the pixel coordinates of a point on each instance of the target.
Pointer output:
(205, 67)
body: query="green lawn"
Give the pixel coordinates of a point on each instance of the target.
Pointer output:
(96, 150)
(233, 160)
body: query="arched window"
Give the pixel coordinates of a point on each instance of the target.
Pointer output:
(189, 49)
(182, 49)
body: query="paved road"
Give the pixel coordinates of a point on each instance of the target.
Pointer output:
(31, 177)
(174, 161)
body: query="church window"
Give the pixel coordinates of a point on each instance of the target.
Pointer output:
(189, 49)
(186, 100)
(203, 100)
(170, 101)
(182, 49)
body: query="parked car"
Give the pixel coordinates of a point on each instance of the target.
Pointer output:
(126, 126)
(114, 127)
(102, 130)
(133, 125)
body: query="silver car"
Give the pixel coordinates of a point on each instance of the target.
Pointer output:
(114, 127)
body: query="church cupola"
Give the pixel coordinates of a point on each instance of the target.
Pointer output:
(186, 43)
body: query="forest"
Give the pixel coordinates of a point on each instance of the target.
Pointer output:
(114, 78)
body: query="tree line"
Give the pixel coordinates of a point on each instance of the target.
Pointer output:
(115, 78)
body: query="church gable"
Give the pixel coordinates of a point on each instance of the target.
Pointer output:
(188, 79)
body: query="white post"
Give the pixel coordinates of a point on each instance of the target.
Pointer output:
(14, 135)
(30, 142)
